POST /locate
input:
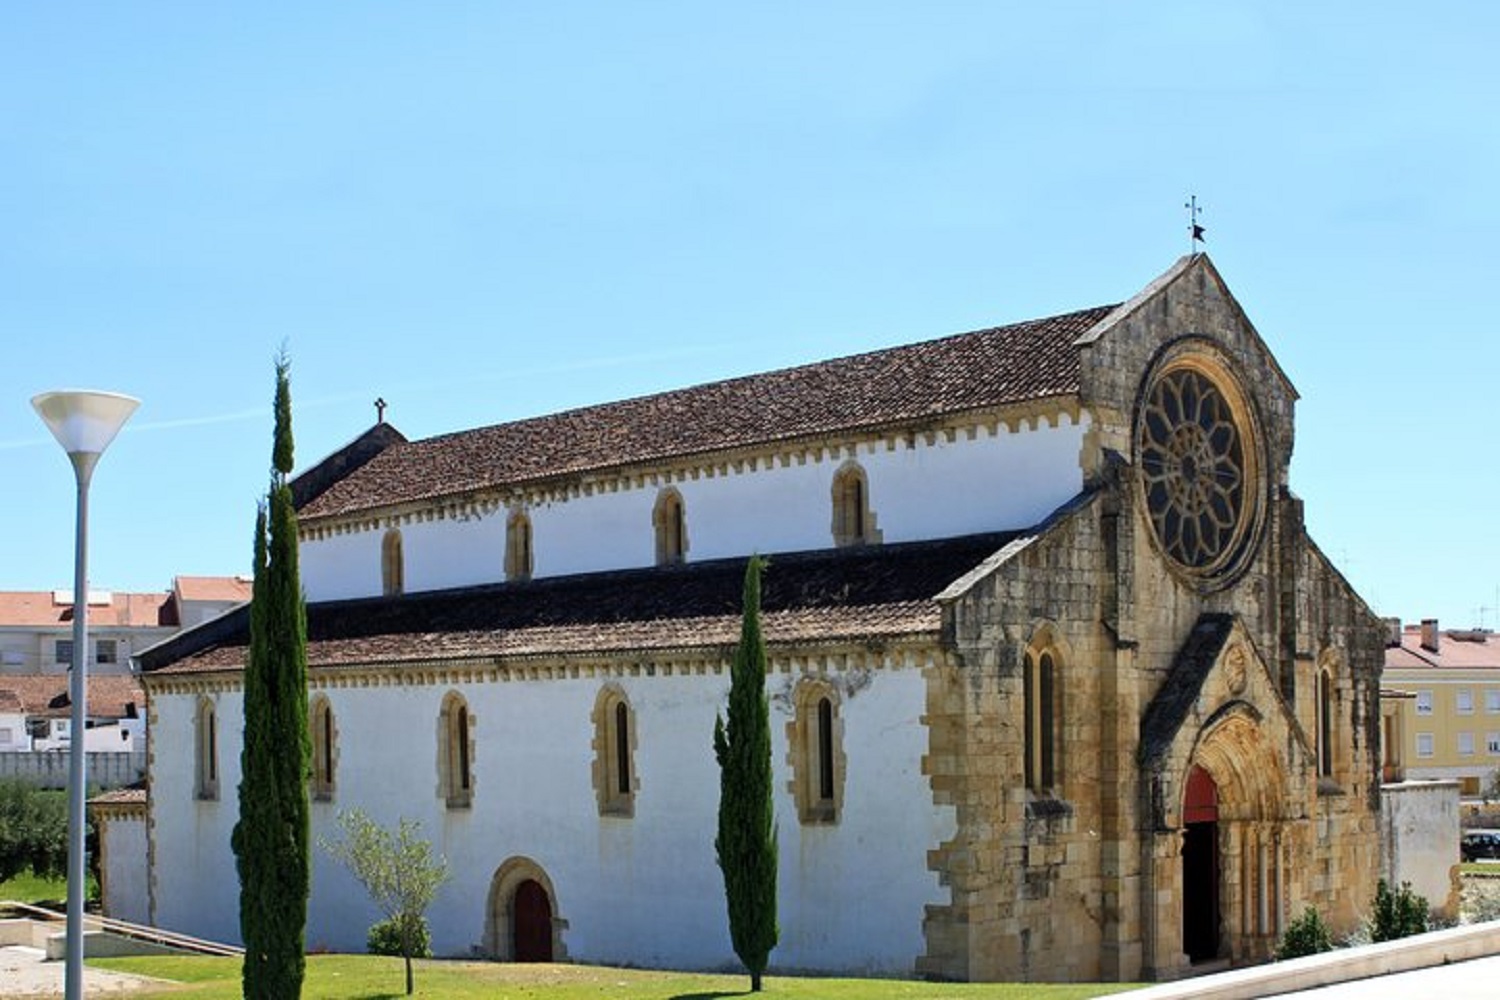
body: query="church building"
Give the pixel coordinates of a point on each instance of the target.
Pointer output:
(1060, 687)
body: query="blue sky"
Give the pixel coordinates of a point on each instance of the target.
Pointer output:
(487, 211)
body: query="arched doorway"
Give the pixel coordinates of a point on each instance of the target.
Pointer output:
(531, 923)
(523, 921)
(1200, 867)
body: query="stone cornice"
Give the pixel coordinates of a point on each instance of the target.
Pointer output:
(1015, 418)
(919, 653)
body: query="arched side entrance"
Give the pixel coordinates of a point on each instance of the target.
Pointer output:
(1201, 924)
(521, 920)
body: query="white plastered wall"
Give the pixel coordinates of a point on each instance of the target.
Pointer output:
(643, 890)
(996, 481)
(124, 869)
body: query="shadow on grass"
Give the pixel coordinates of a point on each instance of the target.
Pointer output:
(710, 996)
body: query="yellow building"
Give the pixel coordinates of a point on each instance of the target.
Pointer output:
(1449, 726)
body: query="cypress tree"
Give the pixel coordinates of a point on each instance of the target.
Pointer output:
(271, 839)
(746, 844)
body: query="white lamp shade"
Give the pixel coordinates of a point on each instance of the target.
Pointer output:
(84, 421)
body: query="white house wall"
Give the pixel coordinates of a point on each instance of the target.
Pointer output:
(641, 890)
(125, 877)
(1018, 478)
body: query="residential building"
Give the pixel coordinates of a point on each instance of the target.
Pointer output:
(1450, 724)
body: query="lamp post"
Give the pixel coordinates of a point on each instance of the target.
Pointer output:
(84, 423)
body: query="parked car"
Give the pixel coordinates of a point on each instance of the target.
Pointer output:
(1476, 844)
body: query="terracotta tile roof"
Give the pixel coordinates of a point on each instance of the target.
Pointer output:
(129, 795)
(47, 694)
(40, 609)
(1457, 650)
(213, 588)
(10, 701)
(810, 597)
(957, 374)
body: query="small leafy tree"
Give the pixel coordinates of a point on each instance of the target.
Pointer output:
(746, 844)
(1306, 935)
(33, 831)
(1398, 914)
(398, 869)
(390, 937)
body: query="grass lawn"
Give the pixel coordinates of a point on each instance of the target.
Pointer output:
(29, 888)
(365, 977)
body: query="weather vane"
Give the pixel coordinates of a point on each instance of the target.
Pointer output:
(380, 405)
(1195, 231)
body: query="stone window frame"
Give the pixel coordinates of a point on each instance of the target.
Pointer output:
(206, 750)
(519, 553)
(1492, 701)
(1430, 746)
(455, 751)
(1424, 702)
(1492, 744)
(322, 726)
(669, 522)
(1463, 701)
(1458, 744)
(392, 564)
(853, 518)
(614, 749)
(1325, 720)
(1043, 663)
(816, 759)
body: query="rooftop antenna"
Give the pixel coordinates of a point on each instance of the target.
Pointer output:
(380, 405)
(1195, 231)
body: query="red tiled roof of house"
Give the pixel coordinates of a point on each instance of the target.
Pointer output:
(1457, 650)
(820, 597)
(213, 588)
(47, 694)
(130, 795)
(41, 609)
(887, 388)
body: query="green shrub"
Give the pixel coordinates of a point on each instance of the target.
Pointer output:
(385, 939)
(1306, 935)
(1398, 914)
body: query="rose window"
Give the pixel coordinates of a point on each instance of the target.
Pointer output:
(1192, 459)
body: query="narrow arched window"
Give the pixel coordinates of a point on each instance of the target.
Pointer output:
(207, 740)
(392, 568)
(1325, 724)
(1041, 704)
(323, 749)
(615, 778)
(670, 521)
(853, 521)
(817, 756)
(825, 750)
(518, 556)
(455, 752)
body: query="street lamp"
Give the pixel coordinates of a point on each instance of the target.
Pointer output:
(84, 423)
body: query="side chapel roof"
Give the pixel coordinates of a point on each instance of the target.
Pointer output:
(859, 594)
(897, 386)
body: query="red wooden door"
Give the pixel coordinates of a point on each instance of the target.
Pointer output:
(531, 923)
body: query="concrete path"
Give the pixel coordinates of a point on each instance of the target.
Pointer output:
(24, 973)
(1471, 980)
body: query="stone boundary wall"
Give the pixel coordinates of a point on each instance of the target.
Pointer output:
(49, 768)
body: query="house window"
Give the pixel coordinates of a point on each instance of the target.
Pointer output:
(853, 521)
(1424, 744)
(815, 741)
(1492, 700)
(456, 752)
(392, 564)
(1466, 744)
(615, 778)
(1424, 702)
(63, 651)
(206, 738)
(324, 749)
(1325, 723)
(106, 651)
(670, 522)
(1042, 695)
(1464, 698)
(518, 546)
(1492, 744)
